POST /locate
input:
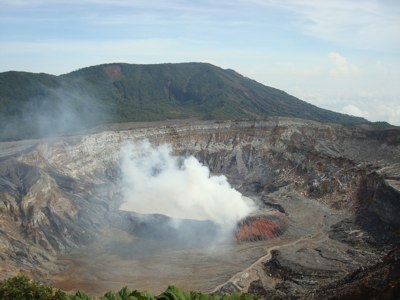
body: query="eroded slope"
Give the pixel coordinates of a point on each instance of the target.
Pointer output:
(337, 186)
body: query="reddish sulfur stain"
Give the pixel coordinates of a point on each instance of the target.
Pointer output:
(257, 228)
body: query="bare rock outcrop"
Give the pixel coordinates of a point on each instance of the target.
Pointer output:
(57, 194)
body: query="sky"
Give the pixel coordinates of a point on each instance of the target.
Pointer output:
(336, 54)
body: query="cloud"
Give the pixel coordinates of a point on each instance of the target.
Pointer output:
(371, 108)
(369, 24)
(355, 111)
(284, 44)
(389, 112)
(156, 182)
(341, 66)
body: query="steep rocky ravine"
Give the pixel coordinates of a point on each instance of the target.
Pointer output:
(335, 191)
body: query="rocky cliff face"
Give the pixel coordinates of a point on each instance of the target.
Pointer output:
(379, 280)
(58, 194)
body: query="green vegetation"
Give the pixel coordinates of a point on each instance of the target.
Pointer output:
(382, 125)
(35, 105)
(22, 288)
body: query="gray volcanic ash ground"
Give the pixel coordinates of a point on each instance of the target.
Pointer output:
(323, 215)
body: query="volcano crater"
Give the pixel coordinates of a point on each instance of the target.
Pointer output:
(327, 198)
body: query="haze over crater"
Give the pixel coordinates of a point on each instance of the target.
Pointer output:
(155, 181)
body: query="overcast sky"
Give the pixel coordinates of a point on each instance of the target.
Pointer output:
(339, 55)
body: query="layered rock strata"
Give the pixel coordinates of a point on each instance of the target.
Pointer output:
(58, 194)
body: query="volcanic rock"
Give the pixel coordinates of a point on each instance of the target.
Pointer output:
(260, 227)
(379, 280)
(333, 191)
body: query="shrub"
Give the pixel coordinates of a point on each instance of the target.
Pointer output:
(22, 288)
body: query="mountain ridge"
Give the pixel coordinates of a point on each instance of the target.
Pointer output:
(40, 104)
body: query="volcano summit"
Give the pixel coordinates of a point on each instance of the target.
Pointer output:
(37, 105)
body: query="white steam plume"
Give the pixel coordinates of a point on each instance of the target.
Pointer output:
(155, 181)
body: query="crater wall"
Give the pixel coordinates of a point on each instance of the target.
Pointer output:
(57, 194)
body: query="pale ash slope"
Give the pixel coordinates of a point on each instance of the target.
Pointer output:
(60, 194)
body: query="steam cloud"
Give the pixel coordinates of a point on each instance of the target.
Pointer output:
(55, 111)
(155, 181)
